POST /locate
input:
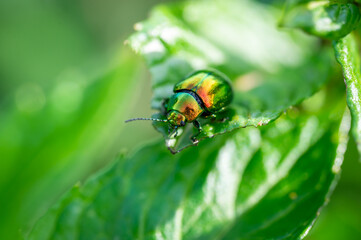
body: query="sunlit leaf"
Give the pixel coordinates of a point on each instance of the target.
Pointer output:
(326, 19)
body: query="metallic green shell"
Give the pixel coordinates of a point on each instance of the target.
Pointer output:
(213, 89)
(186, 104)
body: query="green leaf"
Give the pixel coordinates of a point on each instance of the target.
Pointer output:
(269, 75)
(77, 124)
(267, 183)
(347, 54)
(325, 19)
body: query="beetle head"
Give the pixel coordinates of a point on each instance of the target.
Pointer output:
(176, 118)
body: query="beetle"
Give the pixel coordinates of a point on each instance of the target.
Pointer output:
(201, 94)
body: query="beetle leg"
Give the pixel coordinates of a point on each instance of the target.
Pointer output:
(199, 127)
(212, 116)
(175, 131)
(224, 119)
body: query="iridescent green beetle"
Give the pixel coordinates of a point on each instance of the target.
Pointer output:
(203, 93)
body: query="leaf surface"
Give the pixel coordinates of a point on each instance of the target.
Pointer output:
(267, 183)
(347, 54)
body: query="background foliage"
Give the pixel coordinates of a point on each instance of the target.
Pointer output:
(67, 84)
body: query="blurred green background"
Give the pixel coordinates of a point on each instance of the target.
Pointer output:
(67, 83)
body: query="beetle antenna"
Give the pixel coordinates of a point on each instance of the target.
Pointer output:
(150, 119)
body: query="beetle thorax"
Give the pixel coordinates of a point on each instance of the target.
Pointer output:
(176, 118)
(185, 104)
